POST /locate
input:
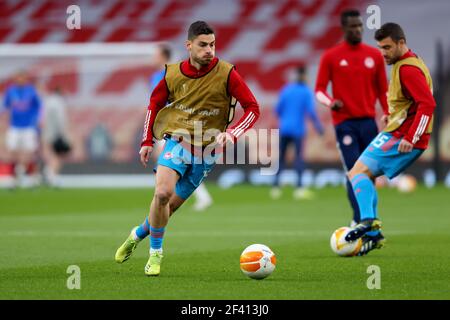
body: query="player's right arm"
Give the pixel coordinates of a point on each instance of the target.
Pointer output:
(280, 104)
(323, 78)
(311, 111)
(158, 101)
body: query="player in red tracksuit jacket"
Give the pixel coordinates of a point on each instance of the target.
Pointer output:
(358, 77)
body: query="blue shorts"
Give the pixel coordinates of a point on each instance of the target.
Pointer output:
(192, 169)
(382, 156)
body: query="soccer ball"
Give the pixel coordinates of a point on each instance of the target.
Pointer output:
(257, 261)
(342, 247)
(406, 183)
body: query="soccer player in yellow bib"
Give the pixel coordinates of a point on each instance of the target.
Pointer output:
(201, 90)
(403, 140)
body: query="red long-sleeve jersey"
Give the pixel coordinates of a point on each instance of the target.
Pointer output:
(236, 88)
(415, 87)
(358, 77)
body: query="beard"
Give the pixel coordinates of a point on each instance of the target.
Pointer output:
(355, 41)
(395, 57)
(203, 61)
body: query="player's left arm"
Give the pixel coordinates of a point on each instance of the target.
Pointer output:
(238, 88)
(415, 85)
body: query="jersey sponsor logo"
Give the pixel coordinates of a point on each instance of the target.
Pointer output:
(369, 62)
(343, 63)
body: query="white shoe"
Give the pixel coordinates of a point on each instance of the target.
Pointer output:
(275, 193)
(303, 194)
(201, 205)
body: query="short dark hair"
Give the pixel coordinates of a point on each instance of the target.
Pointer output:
(198, 28)
(165, 51)
(348, 13)
(392, 30)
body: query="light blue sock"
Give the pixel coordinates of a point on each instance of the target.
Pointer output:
(365, 194)
(375, 210)
(156, 237)
(375, 204)
(143, 230)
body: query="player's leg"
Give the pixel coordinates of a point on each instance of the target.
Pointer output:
(13, 145)
(169, 161)
(348, 147)
(166, 179)
(300, 192)
(371, 164)
(141, 232)
(363, 183)
(380, 157)
(53, 164)
(275, 192)
(164, 203)
(175, 202)
(369, 229)
(368, 131)
(27, 141)
(190, 180)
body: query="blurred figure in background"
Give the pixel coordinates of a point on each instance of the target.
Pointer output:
(358, 76)
(162, 56)
(22, 102)
(295, 104)
(54, 135)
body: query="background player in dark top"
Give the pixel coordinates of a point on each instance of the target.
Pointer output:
(358, 77)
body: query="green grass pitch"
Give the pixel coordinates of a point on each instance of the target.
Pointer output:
(44, 231)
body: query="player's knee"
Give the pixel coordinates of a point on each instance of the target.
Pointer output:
(163, 195)
(351, 174)
(358, 168)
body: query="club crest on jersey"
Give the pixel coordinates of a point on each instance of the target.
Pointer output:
(168, 155)
(347, 140)
(369, 63)
(343, 63)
